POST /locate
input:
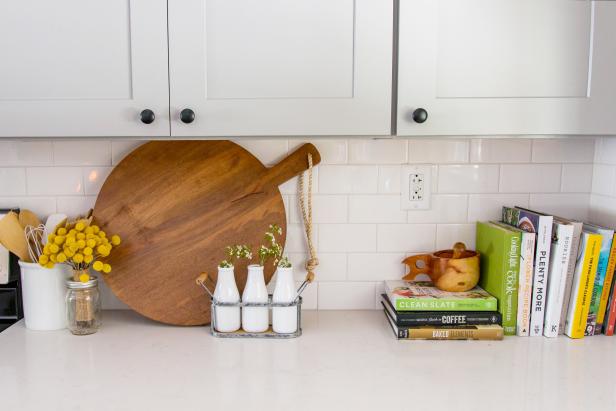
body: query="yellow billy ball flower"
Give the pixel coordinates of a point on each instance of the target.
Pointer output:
(102, 234)
(91, 243)
(43, 259)
(95, 229)
(50, 238)
(89, 230)
(80, 226)
(81, 244)
(101, 249)
(106, 268)
(98, 266)
(59, 240)
(81, 236)
(74, 248)
(116, 240)
(84, 278)
(50, 265)
(78, 258)
(61, 231)
(61, 257)
(46, 250)
(53, 258)
(88, 258)
(87, 251)
(72, 232)
(69, 252)
(53, 248)
(70, 240)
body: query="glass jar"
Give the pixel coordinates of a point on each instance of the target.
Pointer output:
(83, 306)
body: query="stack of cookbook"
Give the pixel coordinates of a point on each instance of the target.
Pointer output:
(417, 310)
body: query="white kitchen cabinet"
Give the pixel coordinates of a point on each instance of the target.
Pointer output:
(507, 67)
(83, 68)
(280, 67)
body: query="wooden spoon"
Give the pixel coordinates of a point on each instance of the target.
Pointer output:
(458, 250)
(27, 217)
(12, 236)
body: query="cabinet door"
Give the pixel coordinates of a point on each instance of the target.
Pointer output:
(507, 67)
(280, 67)
(83, 68)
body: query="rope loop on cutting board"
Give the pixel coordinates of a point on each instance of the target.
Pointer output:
(305, 203)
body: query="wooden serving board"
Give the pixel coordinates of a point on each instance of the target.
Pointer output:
(177, 205)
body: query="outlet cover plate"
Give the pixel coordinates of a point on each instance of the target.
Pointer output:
(416, 184)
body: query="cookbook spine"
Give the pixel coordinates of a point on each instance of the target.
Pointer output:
(573, 256)
(559, 263)
(610, 318)
(443, 304)
(607, 288)
(452, 333)
(540, 281)
(525, 283)
(510, 285)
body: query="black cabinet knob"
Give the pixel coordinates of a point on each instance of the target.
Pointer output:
(420, 115)
(187, 116)
(147, 116)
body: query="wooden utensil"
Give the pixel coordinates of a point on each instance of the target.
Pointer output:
(176, 205)
(13, 238)
(28, 218)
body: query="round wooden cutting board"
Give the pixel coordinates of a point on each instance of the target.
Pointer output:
(177, 205)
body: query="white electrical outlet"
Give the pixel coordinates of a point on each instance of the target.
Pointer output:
(416, 184)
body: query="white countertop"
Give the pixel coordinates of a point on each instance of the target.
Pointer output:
(346, 360)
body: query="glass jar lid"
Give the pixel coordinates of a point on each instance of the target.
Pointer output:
(78, 285)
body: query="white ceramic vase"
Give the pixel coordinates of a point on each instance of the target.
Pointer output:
(44, 293)
(227, 318)
(255, 319)
(284, 319)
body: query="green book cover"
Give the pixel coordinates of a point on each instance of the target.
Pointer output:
(499, 253)
(424, 296)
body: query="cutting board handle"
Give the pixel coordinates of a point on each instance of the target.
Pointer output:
(292, 165)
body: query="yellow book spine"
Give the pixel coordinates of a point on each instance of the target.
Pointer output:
(605, 294)
(587, 280)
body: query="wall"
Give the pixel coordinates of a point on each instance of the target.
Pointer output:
(360, 231)
(603, 197)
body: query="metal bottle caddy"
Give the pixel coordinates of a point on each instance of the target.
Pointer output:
(269, 304)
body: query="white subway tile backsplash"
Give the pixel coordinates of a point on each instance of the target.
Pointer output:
(12, 181)
(605, 150)
(376, 209)
(296, 238)
(564, 150)
(292, 186)
(449, 234)
(310, 296)
(332, 151)
(54, 181)
(576, 178)
(484, 207)
(326, 209)
(340, 238)
(604, 180)
(82, 153)
(530, 178)
(406, 238)
(575, 206)
(468, 179)
(94, 177)
(500, 150)
(438, 151)
(389, 179)
(444, 208)
(377, 151)
(26, 153)
(269, 152)
(332, 266)
(76, 205)
(602, 210)
(121, 148)
(347, 295)
(348, 179)
(375, 267)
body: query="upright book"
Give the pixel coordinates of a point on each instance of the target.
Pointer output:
(604, 256)
(455, 332)
(610, 316)
(439, 318)
(560, 252)
(575, 246)
(608, 288)
(525, 281)
(540, 224)
(424, 296)
(499, 248)
(583, 283)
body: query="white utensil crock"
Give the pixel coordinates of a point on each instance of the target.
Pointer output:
(44, 293)
(227, 318)
(284, 319)
(255, 319)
